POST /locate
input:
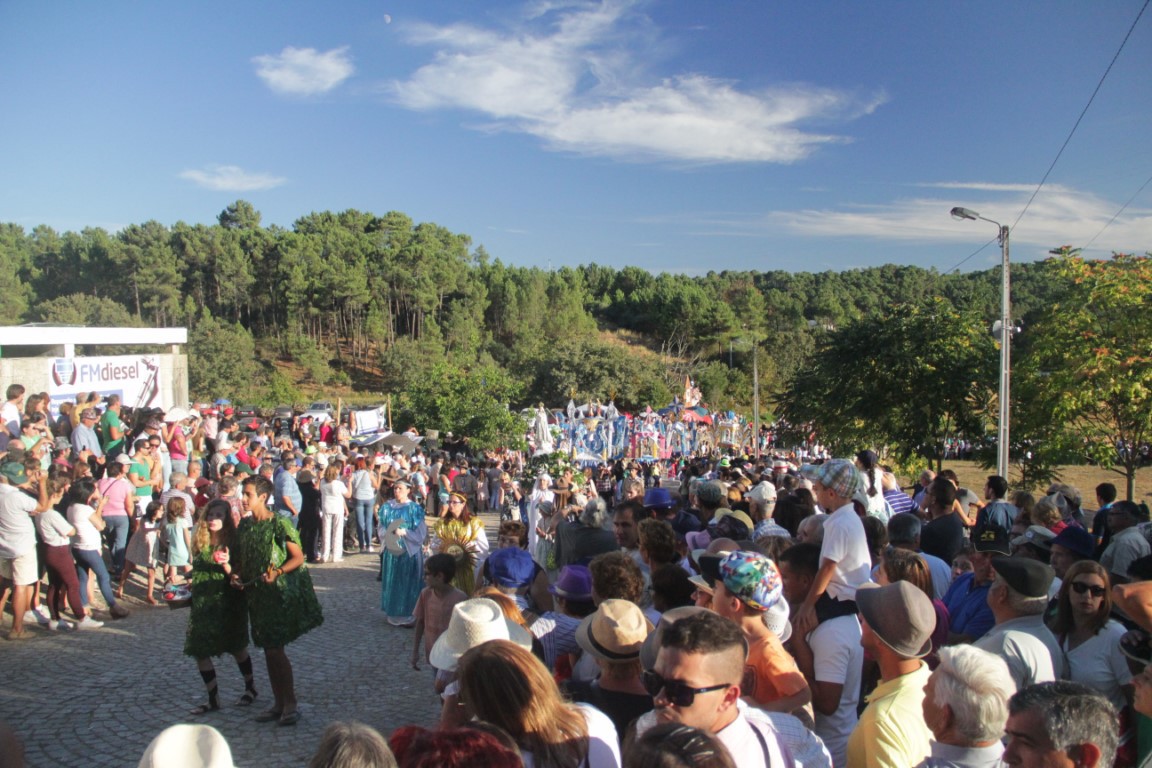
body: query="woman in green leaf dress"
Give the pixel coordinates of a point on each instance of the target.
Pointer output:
(218, 620)
(282, 606)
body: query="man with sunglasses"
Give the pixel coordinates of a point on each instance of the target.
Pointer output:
(696, 682)
(1018, 597)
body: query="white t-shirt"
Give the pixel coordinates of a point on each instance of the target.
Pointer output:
(362, 489)
(603, 744)
(332, 497)
(17, 531)
(742, 743)
(1099, 664)
(11, 417)
(846, 545)
(54, 529)
(87, 537)
(838, 658)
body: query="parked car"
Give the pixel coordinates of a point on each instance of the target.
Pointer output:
(248, 417)
(320, 411)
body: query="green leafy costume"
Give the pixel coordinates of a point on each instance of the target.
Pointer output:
(218, 621)
(284, 610)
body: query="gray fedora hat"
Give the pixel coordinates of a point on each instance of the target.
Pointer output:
(901, 615)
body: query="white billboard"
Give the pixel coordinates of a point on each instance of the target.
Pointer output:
(136, 378)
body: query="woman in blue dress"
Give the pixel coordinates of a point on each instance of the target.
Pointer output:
(403, 531)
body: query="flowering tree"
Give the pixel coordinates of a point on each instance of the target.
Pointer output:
(1090, 360)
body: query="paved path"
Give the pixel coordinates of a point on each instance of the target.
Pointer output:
(98, 698)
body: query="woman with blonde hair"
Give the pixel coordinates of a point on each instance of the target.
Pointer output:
(334, 495)
(1048, 513)
(218, 620)
(507, 686)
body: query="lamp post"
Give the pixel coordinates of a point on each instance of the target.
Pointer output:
(1005, 339)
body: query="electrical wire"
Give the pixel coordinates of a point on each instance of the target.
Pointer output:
(978, 250)
(1117, 214)
(1082, 113)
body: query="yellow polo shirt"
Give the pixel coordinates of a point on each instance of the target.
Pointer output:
(891, 732)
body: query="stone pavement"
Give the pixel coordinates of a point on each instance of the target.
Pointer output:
(98, 698)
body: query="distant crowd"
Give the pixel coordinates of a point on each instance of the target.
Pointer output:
(706, 611)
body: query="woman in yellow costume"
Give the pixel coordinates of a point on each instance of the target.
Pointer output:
(461, 535)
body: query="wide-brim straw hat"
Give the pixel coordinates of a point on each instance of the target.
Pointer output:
(473, 623)
(188, 746)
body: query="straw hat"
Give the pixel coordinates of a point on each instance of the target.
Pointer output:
(475, 622)
(615, 631)
(188, 746)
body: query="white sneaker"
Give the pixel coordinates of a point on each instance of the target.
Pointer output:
(89, 623)
(43, 615)
(63, 625)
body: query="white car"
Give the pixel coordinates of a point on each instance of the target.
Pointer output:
(319, 412)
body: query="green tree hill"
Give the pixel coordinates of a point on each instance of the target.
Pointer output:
(221, 360)
(1089, 366)
(380, 300)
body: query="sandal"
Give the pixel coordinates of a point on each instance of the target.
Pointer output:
(204, 709)
(247, 699)
(268, 716)
(290, 718)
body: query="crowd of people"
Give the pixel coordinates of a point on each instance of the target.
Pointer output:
(756, 612)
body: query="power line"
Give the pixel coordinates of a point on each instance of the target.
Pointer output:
(1082, 113)
(961, 262)
(1117, 214)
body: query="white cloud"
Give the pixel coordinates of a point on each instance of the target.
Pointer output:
(304, 71)
(1059, 215)
(984, 186)
(231, 178)
(574, 76)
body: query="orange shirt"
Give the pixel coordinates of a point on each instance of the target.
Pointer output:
(770, 672)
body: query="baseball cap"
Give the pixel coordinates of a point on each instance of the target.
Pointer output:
(753, 578)
(15, 473)
(990, 538)
(1037, 536)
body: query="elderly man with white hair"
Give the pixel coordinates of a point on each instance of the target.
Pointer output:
(966, 706)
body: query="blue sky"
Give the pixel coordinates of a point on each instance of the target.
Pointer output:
(675, 136)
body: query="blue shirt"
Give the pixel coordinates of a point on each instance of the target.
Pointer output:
(900, 501)
(999, 513)
(285, 486)
(83, 437)
(941, 575)
(968, 610)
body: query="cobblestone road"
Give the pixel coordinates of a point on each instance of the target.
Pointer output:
(97, 698)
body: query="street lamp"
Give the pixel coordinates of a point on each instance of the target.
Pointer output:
(1005, 339)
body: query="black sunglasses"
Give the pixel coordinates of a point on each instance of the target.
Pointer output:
(675, 691)
(1080, 587)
